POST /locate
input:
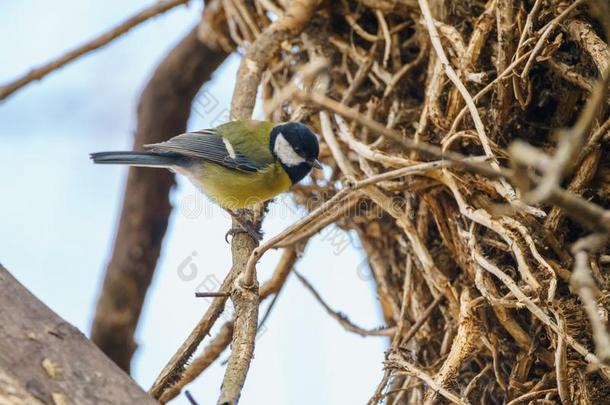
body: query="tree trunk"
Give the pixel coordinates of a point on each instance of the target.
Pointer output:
(45, 360)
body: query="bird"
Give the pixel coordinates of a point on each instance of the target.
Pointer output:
(238, 164)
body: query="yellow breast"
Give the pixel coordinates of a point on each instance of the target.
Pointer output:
(231, 189)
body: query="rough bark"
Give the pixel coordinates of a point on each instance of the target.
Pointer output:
(163, 111)
(45, 360)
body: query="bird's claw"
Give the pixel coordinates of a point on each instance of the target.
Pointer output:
(254, 234)
(243, 226)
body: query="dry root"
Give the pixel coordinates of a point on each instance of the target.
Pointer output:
(470, 236)
(470, 77)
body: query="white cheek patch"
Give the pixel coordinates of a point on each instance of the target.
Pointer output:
(284, 151)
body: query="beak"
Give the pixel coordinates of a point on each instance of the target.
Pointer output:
(316, 163)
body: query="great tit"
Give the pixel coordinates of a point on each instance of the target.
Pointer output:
(237, 164)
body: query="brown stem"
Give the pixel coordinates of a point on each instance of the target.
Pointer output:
(246, 321)
(245, 291)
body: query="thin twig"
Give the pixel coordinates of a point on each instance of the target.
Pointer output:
(107, 37)
(386, 35)
(538, 312)
(531, 395)
(211, 294)
(420, 321)
(190, 398)
(561, 360)
(547, 30)
(340, 317)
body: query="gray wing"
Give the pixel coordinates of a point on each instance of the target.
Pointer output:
(207, 145)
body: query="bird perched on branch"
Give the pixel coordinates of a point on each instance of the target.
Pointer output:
(238, 164)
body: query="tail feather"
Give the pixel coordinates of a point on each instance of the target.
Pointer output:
(143, 159)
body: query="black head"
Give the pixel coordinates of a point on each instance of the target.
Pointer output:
(296, 147)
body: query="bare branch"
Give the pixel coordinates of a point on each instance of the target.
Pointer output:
(244, 333)
(107, 37)
(210, 354)
(245, 290)
(342, 318)
(172, 372)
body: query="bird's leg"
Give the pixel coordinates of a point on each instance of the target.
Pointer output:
(244, 227)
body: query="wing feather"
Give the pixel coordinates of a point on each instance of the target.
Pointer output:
(207, 145)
